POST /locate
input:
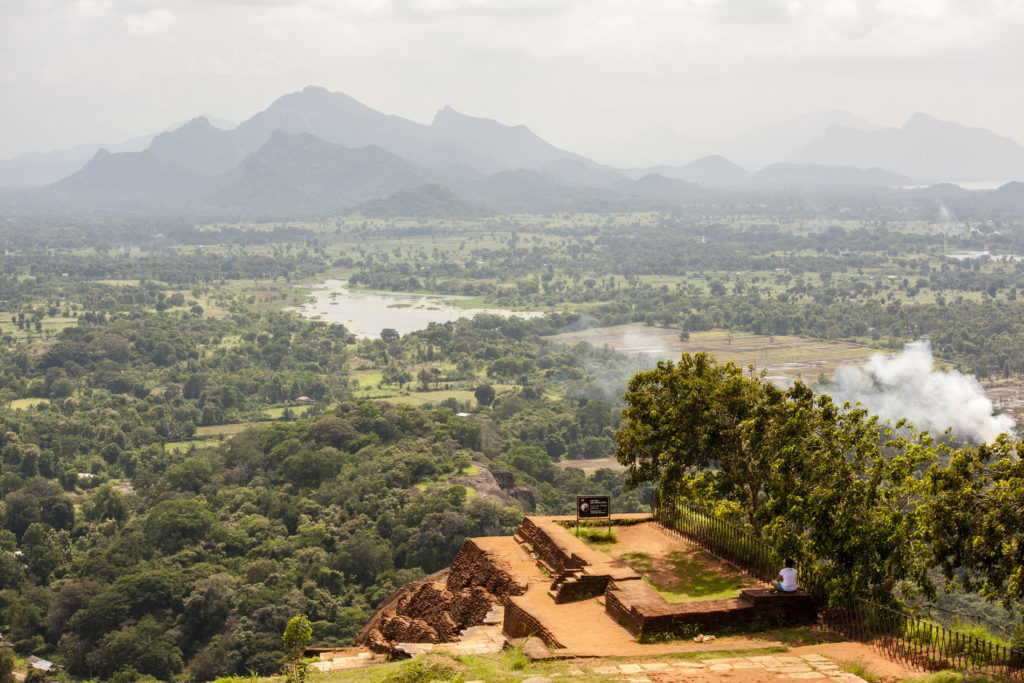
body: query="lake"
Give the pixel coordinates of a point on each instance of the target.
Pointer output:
(365, 312)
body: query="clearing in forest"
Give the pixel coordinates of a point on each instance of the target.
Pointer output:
(781, 356)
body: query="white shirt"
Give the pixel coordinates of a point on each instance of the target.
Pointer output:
(788, 575)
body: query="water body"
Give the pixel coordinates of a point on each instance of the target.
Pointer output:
(365, 313)
(973, 254)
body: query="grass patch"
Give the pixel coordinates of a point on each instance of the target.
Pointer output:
(508, 665)
(26, 403)
(686, 577)
(226, 430)
(419, 398)
(638, 561)
(368, 379)
(936, 677)
(859, 669)
(596, 536)
(278, 413)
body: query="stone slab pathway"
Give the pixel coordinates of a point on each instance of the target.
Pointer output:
(345, 658)
(779, 667)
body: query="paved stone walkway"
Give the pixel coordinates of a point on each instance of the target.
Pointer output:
(345, 658)
(780, 667)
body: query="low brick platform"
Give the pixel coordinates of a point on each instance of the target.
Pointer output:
(548, 585)
(582, 573)
(642, 611)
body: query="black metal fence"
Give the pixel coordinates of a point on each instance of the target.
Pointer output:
(915, 642)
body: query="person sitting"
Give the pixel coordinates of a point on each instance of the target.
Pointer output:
(786, 583)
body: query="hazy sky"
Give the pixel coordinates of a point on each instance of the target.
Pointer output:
(575, 71)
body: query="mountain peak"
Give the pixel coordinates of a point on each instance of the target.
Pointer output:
(921, 120)
(198, 123)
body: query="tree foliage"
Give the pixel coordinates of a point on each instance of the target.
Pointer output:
(823, 483)
(975, 519)
(297, 636)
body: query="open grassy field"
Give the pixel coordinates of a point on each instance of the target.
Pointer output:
(783, 357)
(225, 430)
(418, 398)
(591, 465)
(50, 325)
(278, 412)
(26, 403)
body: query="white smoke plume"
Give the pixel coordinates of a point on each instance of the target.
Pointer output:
(907, 385)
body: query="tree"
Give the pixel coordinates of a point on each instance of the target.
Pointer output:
(6, 666)
(106, 503)
(825, 484)
(975, 520)
(173, 524)
(484, 394)
(147, 647)
(533, 460)
(682, 418)
(297, 636)
(333, 431)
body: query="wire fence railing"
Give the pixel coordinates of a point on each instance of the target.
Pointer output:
(913, 641)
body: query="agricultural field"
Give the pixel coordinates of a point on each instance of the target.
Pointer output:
(782, 357)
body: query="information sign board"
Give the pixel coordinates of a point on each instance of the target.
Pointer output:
(593, 507)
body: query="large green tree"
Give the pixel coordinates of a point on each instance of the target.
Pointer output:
(827, 484)
(975, 520)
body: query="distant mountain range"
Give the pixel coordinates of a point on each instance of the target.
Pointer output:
(924, 148)
(759, 146)
(318, 151)
(42, 168)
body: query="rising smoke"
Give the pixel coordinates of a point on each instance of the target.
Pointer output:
(908, 386)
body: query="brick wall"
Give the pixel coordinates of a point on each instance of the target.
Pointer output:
(581, 588)
(472, 568)
(545, 544)
(521, 624)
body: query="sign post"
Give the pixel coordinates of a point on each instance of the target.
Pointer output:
(594, 507)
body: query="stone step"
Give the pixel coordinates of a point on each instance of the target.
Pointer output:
(495, 616)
